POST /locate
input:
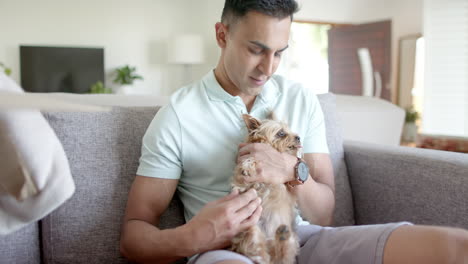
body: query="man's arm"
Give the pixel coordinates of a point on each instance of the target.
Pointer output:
(316, 197)
(140, 240)
(212, 228)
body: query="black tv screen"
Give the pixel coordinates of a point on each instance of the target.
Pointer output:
(60, 69)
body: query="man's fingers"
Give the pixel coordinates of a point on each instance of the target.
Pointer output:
(230, 196)
(253, 219)
(250, 147)
(241, 145)
(241, 159)
(244, 150)
(243, 199)
(254, 148)
(249, 209)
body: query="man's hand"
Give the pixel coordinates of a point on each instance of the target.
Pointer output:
(219, 221)
(271, 165)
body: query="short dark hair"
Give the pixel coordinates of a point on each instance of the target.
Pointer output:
(235, 9)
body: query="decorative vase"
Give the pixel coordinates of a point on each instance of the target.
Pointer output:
(410, 132)
(124, 89)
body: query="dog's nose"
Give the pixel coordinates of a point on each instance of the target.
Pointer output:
(298, 138)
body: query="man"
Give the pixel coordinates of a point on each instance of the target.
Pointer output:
(192, 146)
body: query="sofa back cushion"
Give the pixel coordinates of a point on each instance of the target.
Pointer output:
(103, 151)
(22, 246)
(344, 212)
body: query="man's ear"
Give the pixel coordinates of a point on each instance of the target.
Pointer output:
(251, 122)
(221, 34)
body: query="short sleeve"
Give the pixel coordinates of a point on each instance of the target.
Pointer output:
(161, 147)
(315, 140)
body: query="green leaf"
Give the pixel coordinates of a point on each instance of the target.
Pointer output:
(411, 115)
(99, 88)
(5, 68)
(126, 75)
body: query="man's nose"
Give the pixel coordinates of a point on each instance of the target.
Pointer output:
(267, 65)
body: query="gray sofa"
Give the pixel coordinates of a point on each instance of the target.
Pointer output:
(374, 184)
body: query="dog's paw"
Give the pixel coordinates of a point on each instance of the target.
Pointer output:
(283, 233)
(248, 167)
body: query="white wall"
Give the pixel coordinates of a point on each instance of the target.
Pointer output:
(132, 32)
(341, 11)
(136, 32)
(205, 15)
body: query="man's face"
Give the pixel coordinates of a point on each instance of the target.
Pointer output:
(253, 50)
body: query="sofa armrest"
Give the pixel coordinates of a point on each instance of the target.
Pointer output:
(392, 183)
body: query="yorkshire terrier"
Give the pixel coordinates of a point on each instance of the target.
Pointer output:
(273, 238)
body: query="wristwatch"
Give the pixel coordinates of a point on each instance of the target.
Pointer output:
(301, 171)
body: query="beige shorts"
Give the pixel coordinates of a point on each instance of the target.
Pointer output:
(326, 245)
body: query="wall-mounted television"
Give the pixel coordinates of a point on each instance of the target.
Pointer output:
(60, 69)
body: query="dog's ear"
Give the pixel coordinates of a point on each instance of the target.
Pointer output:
(251, 122)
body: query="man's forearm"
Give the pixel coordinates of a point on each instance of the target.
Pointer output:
(316, 202)
(143, 243)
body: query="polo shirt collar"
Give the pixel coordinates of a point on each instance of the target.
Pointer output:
(215, 92)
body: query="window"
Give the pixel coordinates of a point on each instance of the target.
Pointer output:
(306, 59)
(445, 109)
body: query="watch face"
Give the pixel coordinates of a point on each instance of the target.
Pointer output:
(303, 171)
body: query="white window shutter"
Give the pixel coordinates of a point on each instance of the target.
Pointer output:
(446, 68)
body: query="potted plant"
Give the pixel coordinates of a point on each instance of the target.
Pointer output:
(5, 69)
(410, 129)
(98, 88)
(125, 76)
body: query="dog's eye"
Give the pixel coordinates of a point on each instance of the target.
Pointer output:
(281, 134)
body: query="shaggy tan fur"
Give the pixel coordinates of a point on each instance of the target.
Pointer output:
(273, 239)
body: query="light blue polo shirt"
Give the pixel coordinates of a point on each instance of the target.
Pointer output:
(195, 137)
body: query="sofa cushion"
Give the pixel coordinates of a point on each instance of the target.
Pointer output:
(343, 197)
(422, 186)
(103, 150)
(22, 246)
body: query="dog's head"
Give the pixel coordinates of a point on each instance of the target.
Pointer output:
(272, 132)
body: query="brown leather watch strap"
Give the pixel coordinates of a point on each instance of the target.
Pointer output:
(296, 181)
